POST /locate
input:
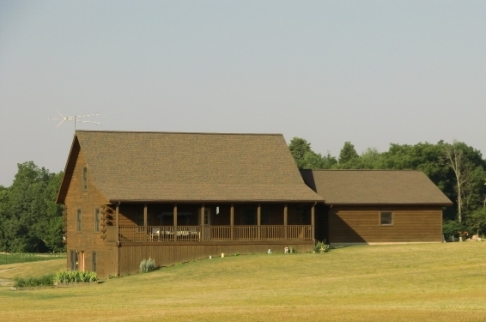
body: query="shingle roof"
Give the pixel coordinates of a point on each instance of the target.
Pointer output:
(363, 187)
(161, 166)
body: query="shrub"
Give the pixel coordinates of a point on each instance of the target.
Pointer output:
(68, 277)
(44, 280)
(147, 265)
(321, 247)
(452, 228)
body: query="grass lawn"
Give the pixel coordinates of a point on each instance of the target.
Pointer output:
(12, 258)
(422, 282)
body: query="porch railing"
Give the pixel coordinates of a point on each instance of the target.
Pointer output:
(211, 233)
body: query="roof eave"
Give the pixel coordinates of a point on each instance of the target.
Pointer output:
(114, 201)
(440, 204)
(66, 177)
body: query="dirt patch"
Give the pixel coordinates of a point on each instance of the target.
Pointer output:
(6, 283)
(6, 269)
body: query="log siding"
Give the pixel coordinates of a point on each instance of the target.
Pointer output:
(349, 225)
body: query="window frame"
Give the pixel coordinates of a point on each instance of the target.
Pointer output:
(391, 221)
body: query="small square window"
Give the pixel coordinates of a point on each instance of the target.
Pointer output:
(386, 218)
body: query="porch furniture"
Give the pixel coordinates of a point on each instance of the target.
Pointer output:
(155, 235)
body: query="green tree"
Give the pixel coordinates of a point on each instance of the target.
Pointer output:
(328, 161)
(348, 156)
(303, 155)
(476, 221)
(31, 219)
(469, 172)
(3, 203)
(369, 159)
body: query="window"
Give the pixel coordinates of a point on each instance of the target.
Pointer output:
(85, 178)
(78, 220)
(386, 218)
(97, 220)
(94, 259)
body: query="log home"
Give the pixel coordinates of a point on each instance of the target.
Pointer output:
(377, 206)
(176, 197)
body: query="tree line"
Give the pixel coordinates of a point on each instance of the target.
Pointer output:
(30, 219)
(457, 169)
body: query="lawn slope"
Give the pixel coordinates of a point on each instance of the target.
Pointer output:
(422, 282)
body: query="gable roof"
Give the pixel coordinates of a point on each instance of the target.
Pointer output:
(162, 166)
(384, 187)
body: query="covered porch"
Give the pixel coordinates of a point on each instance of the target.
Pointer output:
(199, 223)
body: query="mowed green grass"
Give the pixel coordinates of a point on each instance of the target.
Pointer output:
(421, 282)
(12, 258)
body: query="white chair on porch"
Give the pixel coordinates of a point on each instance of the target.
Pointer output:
(155, 233)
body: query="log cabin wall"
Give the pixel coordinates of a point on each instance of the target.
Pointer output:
(355, 224)
(86, 241)
(166, 255)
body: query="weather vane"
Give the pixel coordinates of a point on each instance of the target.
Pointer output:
(75, 119)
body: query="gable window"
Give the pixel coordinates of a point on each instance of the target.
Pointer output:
(85, 178)
(78, 220)
(97, 220)
(386, 218)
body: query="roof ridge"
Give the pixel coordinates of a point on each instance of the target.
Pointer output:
(189, 133)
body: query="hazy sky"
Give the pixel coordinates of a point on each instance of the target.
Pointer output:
(369, 72)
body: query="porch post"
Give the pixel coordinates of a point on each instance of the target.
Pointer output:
(285, 221)
(259, 217)
(313, 221)
(145, 217)
(174, 216)
(201, 221)
(232, 220)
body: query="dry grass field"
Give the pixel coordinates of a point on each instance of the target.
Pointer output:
(420, 282)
